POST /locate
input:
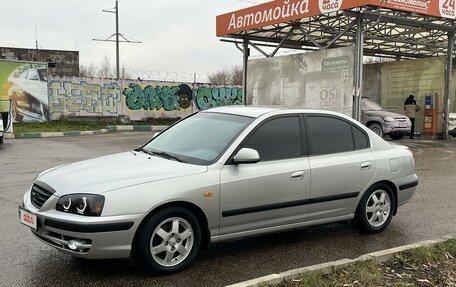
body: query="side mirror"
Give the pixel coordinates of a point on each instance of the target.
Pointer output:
(155, 134)
(246, 155)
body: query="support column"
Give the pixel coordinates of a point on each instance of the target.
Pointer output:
(117, 42)
(245, 56)
(449, 67)
(358, 69)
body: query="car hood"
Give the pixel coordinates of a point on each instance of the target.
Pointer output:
(115, 171)
(384, 114)
(35, 88)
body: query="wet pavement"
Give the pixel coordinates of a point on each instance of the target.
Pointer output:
(24, 261)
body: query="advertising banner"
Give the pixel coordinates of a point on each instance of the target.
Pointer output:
(317, 80)
(25, 84)
(281, 11)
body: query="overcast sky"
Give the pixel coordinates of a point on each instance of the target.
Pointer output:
(177, 35)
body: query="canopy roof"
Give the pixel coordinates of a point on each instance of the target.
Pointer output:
(392, 28)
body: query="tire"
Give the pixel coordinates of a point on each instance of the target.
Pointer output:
(376, 128)
(161, 246)
(396, 135)
(372, 216)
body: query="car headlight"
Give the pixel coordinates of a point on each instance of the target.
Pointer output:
(82, 204)
(389, 119)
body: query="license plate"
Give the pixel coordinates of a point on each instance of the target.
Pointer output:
(27, 218)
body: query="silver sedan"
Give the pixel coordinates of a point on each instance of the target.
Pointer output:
(221, 174)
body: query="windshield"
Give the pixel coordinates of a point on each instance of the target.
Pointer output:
(43, 75)
(368, 105)
(199, 139)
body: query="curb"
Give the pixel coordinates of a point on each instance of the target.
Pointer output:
(109, 129)
(379, 257)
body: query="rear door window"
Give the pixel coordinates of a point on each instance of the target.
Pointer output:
(333, 135)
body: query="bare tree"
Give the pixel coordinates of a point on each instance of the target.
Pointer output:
(227, 76)
(126, 72)
(105, 70)
(237, 75)
(87, 71)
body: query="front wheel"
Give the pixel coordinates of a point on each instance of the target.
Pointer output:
(169, 240)
(375, 210)
(376, 128)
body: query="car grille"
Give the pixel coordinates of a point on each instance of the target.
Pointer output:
(39, 195)
(401, 120)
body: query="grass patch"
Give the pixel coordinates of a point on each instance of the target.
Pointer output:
(424, 266)
(85, 125)
(157, 121)
(57, 126)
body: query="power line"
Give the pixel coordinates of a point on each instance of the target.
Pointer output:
(117, 35)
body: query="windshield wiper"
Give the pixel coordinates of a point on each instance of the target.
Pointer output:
(167, 155)
(144, 151)
(160, 153)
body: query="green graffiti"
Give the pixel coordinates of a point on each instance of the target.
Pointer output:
(134, 97)
(179, 97)
(207, 98)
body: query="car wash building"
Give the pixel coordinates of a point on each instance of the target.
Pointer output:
(413, 41)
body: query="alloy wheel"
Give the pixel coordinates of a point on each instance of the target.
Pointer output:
(378, 208)
(171, 242)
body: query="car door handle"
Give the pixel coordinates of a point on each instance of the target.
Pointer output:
(366, 165)
(297, 175)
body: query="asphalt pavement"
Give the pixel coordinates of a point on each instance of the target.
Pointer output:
(24, 261)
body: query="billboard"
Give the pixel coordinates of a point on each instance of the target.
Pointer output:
(316, 80)
(281, 11)
(25, 84)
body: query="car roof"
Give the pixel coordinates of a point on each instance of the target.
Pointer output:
(248, 111)
(258, 111)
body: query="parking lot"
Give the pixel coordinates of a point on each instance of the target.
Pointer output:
(27, 262)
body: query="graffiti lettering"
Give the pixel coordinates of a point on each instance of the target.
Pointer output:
(214, 97)
(180, 97)
(150, 98)
(82, 96)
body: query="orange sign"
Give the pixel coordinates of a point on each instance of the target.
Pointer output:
(281, 11)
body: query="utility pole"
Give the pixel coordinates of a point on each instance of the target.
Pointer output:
(117, 40)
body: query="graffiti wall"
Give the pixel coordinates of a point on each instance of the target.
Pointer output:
(25, 84)
(84, 97)
(138, 100)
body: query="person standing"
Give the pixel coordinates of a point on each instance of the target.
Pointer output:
(410, 108)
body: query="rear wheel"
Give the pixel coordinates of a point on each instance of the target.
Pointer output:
(169, 240)
(376, 128)
(375, 210)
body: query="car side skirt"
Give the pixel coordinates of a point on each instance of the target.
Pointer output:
(280, 228)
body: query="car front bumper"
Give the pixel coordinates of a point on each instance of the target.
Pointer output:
(391, 127)
(103, 237)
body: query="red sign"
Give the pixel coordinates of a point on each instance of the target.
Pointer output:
(281, 11)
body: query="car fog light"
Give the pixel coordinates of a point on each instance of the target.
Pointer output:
(75, 244)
